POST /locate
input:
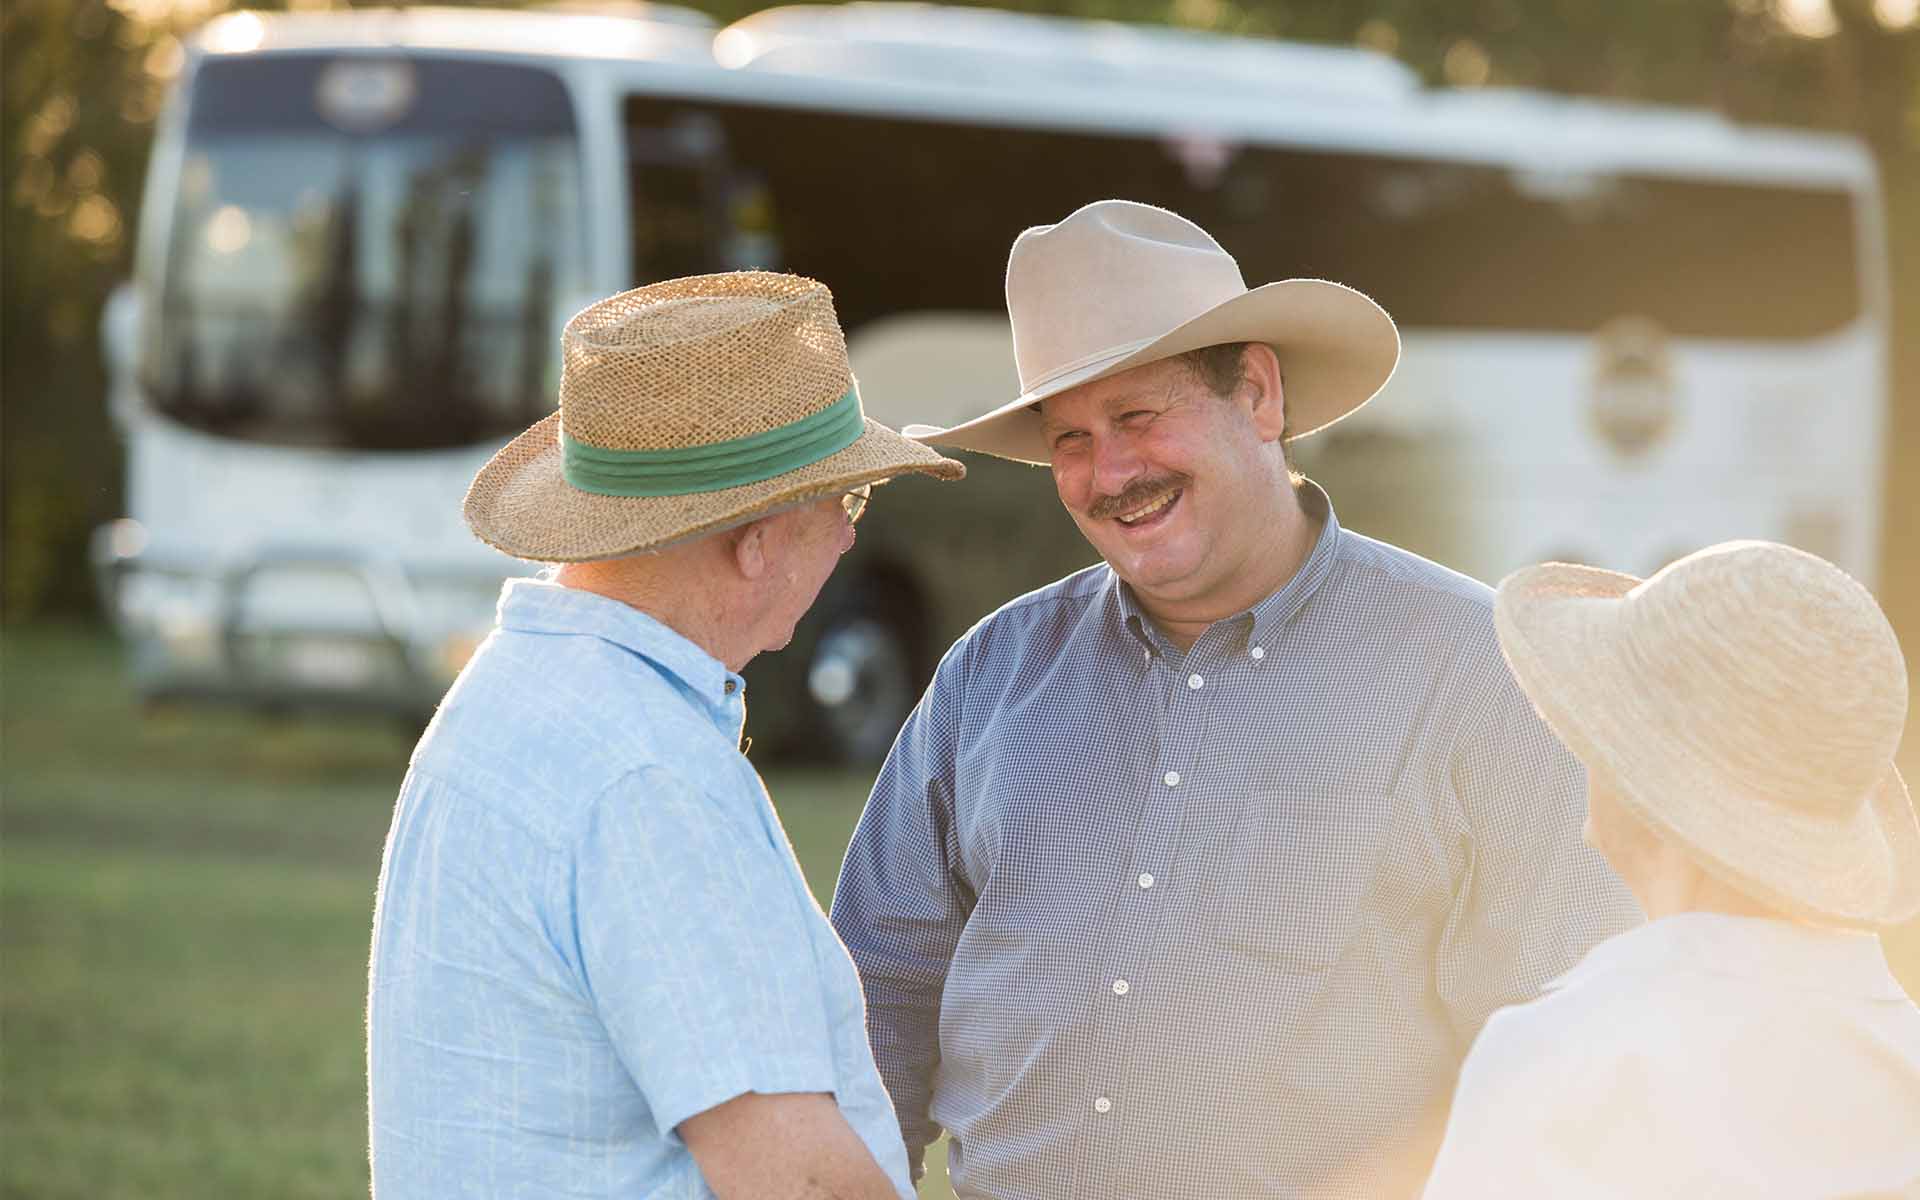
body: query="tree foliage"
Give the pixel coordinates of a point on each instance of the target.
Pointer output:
(82, 81)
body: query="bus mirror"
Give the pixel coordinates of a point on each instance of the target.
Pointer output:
(119, 344)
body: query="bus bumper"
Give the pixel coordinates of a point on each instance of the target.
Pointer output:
(203, 632)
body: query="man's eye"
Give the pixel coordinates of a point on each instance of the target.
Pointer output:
(1137, 416)
(1063, 439)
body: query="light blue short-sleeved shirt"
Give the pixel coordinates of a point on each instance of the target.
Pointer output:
(591, 927)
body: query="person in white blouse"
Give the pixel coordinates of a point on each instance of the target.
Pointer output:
(1738, 714)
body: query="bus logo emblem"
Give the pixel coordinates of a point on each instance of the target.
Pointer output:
(1634, 403)
(365, 95)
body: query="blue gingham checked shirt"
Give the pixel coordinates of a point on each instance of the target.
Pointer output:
(591, 927)
(1138, 924)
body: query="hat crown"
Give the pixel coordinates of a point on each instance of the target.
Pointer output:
(1112, 276)
(701, 360)
(1791, 679)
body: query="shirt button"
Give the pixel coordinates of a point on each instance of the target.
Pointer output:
(1172, 778)
(1102, 1105)
(1195, 682)
(1147, 655)
(1146, 879)
(1258, 652)
(727, 687)
(1121, 987)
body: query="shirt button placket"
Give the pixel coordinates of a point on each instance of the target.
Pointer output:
(1184, 718)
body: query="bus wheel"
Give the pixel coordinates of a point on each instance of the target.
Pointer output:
(860, 683)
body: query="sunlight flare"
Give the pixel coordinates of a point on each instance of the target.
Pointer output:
(1808, 18)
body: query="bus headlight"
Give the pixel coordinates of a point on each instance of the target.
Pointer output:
(182, 612)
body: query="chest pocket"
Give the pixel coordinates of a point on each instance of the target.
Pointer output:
(1295, 875)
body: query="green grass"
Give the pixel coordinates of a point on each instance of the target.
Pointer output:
(184, 914)
(183, 919)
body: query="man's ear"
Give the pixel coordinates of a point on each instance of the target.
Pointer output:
(750, 548)
(1262, 390)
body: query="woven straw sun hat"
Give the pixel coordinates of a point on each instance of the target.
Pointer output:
(688, 407)
(1117, 285)
(1747, 701)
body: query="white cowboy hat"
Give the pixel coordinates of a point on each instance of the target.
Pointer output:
(688, 407)
(1747, 701)
(1119, 284)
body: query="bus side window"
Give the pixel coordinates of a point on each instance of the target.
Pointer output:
(687, 206)
(752, 234)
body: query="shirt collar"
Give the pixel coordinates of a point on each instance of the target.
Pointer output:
(544, 606)
(1837, 961)
(1276, 610)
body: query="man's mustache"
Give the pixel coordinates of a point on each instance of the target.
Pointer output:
(1136, 494)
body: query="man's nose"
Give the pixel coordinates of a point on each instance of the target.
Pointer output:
(1115, 465)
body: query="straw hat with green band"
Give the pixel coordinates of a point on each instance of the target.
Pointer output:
(687, 407)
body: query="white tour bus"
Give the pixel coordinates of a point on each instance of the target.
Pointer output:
(1628, 331)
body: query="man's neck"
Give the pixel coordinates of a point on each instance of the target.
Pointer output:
(1295, 530)
(678, 595)
(1669, 883)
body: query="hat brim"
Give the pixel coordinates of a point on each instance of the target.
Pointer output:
(1337, 349)
(521, 502)
(1561, 630)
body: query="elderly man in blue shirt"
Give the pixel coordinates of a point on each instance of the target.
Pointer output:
(1195, 873)
(596, 968)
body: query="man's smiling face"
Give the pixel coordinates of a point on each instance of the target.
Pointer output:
(1171, 483)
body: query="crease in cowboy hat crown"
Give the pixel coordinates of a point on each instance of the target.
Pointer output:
(714, 466)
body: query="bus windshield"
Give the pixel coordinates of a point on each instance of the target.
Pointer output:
(367, 251)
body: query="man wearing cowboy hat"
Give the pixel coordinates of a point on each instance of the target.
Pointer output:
(596, 968)
(1195, 873)
(1737, 714)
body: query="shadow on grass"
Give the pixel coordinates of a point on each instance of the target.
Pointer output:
(88, 767)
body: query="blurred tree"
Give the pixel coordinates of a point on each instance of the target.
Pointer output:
(81, 82)
(78, 106)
